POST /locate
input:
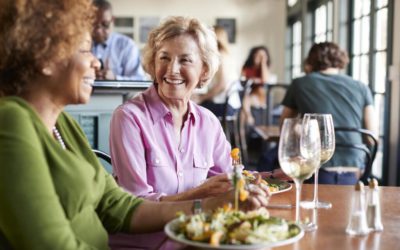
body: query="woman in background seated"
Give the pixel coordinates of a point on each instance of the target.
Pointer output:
(325, 90)
(257, 69)
(225, 81)
(54, 192)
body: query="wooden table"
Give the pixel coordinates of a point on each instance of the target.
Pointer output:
(332, 222)
(268, 133)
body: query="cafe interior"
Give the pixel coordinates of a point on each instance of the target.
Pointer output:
(366, 29)
(369, 30)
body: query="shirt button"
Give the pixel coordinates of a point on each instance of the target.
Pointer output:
(205, 163)
(157, 161)
(182, 150)
(180, 173)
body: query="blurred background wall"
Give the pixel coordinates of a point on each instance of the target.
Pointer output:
(258, 22)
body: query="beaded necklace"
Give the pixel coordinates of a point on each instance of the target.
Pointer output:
(57, 135)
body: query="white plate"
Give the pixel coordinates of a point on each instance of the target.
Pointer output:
(283, 185)
(170, 229)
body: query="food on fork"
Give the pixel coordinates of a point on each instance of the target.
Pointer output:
(238, 181)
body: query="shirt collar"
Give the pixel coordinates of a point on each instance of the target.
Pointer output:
(105, 43)
(193, 113)
(158, 110)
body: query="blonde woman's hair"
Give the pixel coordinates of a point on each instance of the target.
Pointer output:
(176, 26)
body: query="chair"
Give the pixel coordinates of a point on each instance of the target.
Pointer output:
(268, 130)
(102, 155)
(231, 123)
(107, 158)
(369, 147)
(275, 94)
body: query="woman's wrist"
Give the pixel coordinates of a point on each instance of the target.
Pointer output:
(197, 206)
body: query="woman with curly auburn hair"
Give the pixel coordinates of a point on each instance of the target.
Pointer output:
(325, 90)
(54, 192)
(31, 37)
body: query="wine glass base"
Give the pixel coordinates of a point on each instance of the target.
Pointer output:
(309, 227)
(313, 205)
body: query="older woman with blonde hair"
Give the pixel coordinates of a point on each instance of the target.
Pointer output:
(164, 147)
(54, 192)
(161, 135)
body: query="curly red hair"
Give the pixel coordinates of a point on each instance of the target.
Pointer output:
(35, 32)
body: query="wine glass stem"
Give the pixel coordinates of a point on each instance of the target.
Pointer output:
(316, 187)
(298, 193)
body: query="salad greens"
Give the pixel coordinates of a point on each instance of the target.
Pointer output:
(226, 226)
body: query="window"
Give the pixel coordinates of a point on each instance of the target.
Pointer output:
(320, 23)
(293, 51)
(361, 40)
(343, 24)
(323, 30)
(292, 3)
(369, 50)
(124, 25)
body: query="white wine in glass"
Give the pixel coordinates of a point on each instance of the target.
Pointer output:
(327, 136)
(299, 155)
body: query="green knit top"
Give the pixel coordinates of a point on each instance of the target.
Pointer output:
(50, 197)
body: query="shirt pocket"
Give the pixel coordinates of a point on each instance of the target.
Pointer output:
(155, 158)
(202, 162)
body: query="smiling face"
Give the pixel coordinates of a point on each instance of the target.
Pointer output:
(73, 79)
(178, 68)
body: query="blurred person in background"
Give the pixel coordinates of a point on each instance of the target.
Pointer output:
(225, 82)
(256, 73)
(325, 90)
(118, 54)
(257, 69)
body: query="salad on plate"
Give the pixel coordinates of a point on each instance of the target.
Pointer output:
(228, 227)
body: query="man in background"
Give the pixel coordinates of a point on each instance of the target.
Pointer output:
(118, 54)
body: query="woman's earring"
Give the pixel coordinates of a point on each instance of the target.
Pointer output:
(46, 71)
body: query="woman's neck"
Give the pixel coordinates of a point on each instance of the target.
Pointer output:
(330, 71)
(179, 112)
(46, 107)
(177, 107)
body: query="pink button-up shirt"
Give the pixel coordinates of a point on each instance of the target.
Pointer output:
(146, 157)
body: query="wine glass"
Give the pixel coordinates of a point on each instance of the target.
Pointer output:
(299, 154)
(327, 135)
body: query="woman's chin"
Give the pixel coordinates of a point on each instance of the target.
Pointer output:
(84, 96)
